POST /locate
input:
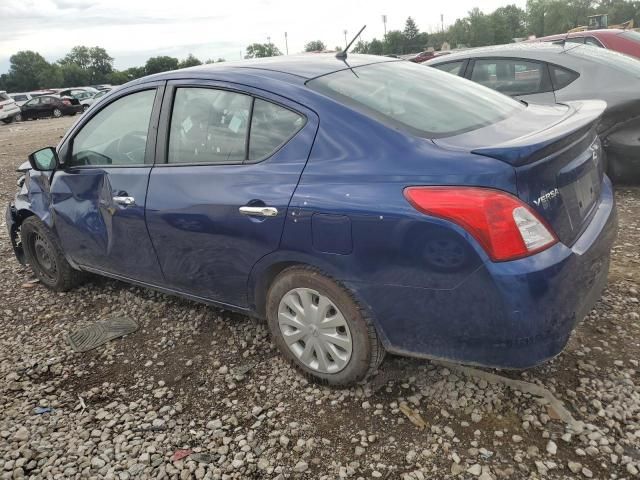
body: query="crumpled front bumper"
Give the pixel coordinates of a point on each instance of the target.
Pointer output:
(14, 236)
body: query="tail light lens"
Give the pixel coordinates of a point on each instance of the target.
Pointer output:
(66, 102)
(506, 227)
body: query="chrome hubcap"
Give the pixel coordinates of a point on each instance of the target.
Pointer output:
(315, 330)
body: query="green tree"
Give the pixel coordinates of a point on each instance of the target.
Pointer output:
(28, 71)
(261, 50)
(101, 64)
(395, 43)
(80, 55)
(159, 64)
(376, 47)
(315, 46)
(415, 41)
(190, 61)
(73, 75)
(507, 23)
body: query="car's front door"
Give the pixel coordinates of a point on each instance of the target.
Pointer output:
(30, 108)
(527, 80)
(99, 195)
(219, 202)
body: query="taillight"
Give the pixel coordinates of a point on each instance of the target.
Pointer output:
(505, 227)
(66, 102)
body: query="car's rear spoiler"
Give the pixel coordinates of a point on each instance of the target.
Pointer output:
(580, 119)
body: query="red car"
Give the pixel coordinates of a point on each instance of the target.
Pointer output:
(623, 41)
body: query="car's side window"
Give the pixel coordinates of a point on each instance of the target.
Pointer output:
(208, 126)
(46, 100)
(451, 67)
(271, 126)
(561, 77)
(117, 134)
(33, 102)
(575, 40)
(593, 41)
(509, 76)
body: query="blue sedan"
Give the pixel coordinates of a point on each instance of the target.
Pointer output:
(361, 206)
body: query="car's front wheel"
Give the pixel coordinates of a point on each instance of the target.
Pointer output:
(44, 254)
(320, 328)
(18, 117)
(7, 120)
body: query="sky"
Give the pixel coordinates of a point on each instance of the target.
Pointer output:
(133, 30)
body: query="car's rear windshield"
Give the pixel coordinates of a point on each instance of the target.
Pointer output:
(421, 100)
(631, 35)
(610, 58)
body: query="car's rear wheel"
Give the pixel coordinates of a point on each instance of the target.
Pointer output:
(57, 112)
(320, 328)
(18, 117)
(85, 108)
(44, 254)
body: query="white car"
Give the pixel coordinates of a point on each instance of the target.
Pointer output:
(9, 109)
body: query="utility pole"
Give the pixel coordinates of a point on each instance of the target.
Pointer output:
(345, 39)
(384, 23)
(442, 22)
(286, 43)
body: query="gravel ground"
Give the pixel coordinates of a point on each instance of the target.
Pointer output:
(208, 381)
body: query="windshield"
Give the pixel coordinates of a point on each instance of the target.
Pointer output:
(421, 100)
(631, 35)
(610, 58)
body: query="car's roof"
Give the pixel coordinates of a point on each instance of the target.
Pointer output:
(540, 51)
(604, 32)
(304, 66)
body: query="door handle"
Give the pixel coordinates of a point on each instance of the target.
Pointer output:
(125, 201)
(259, 211)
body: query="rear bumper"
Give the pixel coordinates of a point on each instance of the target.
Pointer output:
(9, 112)
(510, 315)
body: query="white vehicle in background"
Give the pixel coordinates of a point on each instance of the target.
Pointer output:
(9, 109)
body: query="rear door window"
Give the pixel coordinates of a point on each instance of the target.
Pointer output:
(422, 101)
(451, 67)
(561, 77)
(510, 76)
(271, 127)
(209, 126)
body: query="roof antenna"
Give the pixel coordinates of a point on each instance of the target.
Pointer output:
(343, 54)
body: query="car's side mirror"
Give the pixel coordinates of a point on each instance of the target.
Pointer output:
(44, 160)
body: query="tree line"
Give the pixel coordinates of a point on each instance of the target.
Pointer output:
(90, 66)
(28, 70)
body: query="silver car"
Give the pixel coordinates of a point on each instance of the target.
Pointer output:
(557, 73)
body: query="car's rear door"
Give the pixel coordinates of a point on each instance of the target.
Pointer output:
(229, 161)
(99, 195)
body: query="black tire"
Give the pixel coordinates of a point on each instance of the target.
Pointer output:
(85, 108)
(367, 351)
(44, 255)
(57, 113)
(18, 117)
(7, 120)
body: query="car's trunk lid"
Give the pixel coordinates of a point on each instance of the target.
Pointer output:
(559, 168)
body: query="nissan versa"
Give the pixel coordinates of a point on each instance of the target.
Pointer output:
(360, 205)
